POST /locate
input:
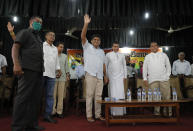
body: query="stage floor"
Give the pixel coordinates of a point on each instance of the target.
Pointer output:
(73, 122)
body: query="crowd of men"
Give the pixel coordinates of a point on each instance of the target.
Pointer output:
(41, 66)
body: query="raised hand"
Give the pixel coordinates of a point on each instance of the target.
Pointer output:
(10, 27)
(87, 19)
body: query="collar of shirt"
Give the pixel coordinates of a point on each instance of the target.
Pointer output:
(46, 43)
(184, 61)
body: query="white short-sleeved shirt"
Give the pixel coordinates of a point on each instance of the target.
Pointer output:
(3, 62)
(94, 58)
(51, 61)
(181, 67)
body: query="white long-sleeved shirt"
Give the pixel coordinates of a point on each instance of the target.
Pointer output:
(51, 61)
(80, 71)
(156, 67)
(116, 65)
(180, 67)
(94, 59)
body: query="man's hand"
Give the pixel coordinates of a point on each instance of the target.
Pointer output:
(145, 83)
(87, 19)
(10, 27)
(124, 80)
(106, 80)
(17, 70)
(58, 74)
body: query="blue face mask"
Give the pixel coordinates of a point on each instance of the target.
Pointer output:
(73, 66)
(36, 26)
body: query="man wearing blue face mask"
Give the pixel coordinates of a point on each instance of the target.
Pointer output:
(27, 54)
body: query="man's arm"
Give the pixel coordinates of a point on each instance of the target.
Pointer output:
(174, 69)
(87, 20)
(59, 73)
(10, 29)
(105, 75)
(15, 56)
(67, 69)
(168, 66)
(125, 67)
(188, 69)
(145, 70)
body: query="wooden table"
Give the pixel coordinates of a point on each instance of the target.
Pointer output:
(142, 118)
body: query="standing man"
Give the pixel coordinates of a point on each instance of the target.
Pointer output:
(117, 74)
(181, 66)
(60, 88)
(156, 73)
(51, 64)
(27, 55)
(94, 60)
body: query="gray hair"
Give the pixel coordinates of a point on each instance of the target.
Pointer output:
(181, 53)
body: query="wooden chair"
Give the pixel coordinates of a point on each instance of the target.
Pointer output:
(175, 83)
(6, 86)
(188, 86)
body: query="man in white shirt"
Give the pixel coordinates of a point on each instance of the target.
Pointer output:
(51, 64)
(94, 66)
(181, 66)
(156, 73)
(3, 64)
(117, 74)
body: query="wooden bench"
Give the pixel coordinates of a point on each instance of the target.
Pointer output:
(142, 118)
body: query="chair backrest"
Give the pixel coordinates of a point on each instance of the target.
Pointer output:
(175, 83)
(188, 84)
(6, 86)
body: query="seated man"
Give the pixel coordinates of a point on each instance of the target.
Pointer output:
(3, 64)
(181, 68)
(73, 83)
(81, 76)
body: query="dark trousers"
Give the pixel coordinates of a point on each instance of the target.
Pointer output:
(27, 100)
(73, 93)
(48, 84)
(79, 88)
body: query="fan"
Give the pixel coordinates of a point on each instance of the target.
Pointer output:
(69, 33)
(171, 30)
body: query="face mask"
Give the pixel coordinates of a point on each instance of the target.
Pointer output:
(73, 66)
(36, 26)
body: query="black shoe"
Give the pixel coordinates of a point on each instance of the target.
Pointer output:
(38, 128)
(54, 115)
(60, 116)
(35, 128)
(49, 119)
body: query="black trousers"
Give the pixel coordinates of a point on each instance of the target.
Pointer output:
(27, 101)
